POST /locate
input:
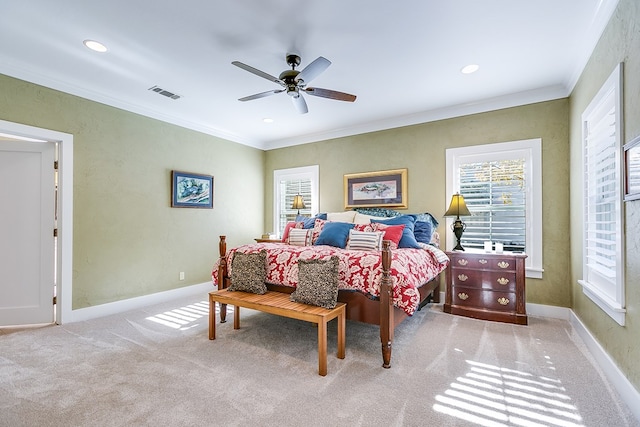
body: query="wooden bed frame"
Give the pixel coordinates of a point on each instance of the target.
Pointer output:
(359, 307)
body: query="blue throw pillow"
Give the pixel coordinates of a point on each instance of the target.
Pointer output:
(423, 231)
(408, 240)
(309, 222)
(427, 217)
(334, 234)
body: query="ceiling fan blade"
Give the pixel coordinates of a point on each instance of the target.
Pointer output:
(261, 95)
(258, 72)
(313, 70)
(332, 94)
(300, 104)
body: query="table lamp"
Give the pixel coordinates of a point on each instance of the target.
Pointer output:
(298, 203)
(457, 208)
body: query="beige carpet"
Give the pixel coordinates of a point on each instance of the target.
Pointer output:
(156, 367)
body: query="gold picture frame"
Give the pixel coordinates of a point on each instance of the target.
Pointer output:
(376, 189)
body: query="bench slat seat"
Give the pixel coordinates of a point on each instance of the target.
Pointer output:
(278, 303)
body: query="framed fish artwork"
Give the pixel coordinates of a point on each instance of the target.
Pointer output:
(376, 189)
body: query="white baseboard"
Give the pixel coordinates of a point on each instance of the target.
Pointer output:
(549, 311)
(138, 302)
(625, 389)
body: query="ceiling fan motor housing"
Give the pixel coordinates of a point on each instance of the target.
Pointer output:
(289, 79)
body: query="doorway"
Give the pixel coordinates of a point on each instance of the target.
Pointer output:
(27, 249)
(35, 225)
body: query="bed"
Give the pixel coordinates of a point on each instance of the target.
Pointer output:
(381, 287)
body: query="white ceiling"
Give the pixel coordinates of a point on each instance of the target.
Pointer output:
(401, 58)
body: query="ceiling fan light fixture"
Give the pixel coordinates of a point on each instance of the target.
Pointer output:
(95, 46)
(469, 69)
(293, 82)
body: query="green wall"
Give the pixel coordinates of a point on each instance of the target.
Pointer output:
(127, 240)
(421, 149)
(619, 43)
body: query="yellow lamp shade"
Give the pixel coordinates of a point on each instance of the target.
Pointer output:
(298, 202)
(457, 207)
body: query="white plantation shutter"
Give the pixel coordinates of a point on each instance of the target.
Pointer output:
(602, 254)
(289, 188)
(494, 192)
(602, 193)
(287, 183)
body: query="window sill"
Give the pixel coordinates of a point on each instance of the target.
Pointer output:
(612, 308)
(533, 273)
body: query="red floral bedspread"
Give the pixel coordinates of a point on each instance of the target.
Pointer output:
(359, 270)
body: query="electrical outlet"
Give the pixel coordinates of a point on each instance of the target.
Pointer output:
(182, 275)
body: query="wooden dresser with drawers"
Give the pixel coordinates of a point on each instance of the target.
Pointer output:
(486, 286)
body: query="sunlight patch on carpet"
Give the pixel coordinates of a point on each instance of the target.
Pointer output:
(493, 396)
(185, 317)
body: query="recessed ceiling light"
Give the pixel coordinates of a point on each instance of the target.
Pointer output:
(471, 68)
(267, 120)
(94, 45)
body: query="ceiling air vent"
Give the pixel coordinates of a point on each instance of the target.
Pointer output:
(163, 92)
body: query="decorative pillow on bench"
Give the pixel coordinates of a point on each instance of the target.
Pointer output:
(248, 272)
(317, 282)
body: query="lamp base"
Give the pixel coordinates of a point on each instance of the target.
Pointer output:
(458, 247)
(458, 227)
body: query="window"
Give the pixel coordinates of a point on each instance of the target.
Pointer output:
(502, 187)
(602, 257)
(287, 183)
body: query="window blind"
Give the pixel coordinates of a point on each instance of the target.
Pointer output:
(289, 188)
(601, 194)
(494, 192)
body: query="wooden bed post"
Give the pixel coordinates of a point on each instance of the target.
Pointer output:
(222, 274)
(386, 306)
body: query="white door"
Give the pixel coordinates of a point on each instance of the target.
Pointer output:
(27, 220)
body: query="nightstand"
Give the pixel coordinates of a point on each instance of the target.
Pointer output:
(260, 240)
(486, 286)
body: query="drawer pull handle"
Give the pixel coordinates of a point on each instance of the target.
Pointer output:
(503, 264)
(462, 277)
(463, 296)
(483, 261)
(503, 301)
(503, 281)
(463, 261)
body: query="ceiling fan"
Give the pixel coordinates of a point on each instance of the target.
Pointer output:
(294, 82)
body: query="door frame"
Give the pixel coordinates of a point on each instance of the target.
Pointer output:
(64, 267)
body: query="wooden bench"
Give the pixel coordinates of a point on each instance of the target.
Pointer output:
(278, 303)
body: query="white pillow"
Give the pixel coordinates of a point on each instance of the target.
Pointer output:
(365, 240)
(347, 216)
(300, 236)
(365, 219)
